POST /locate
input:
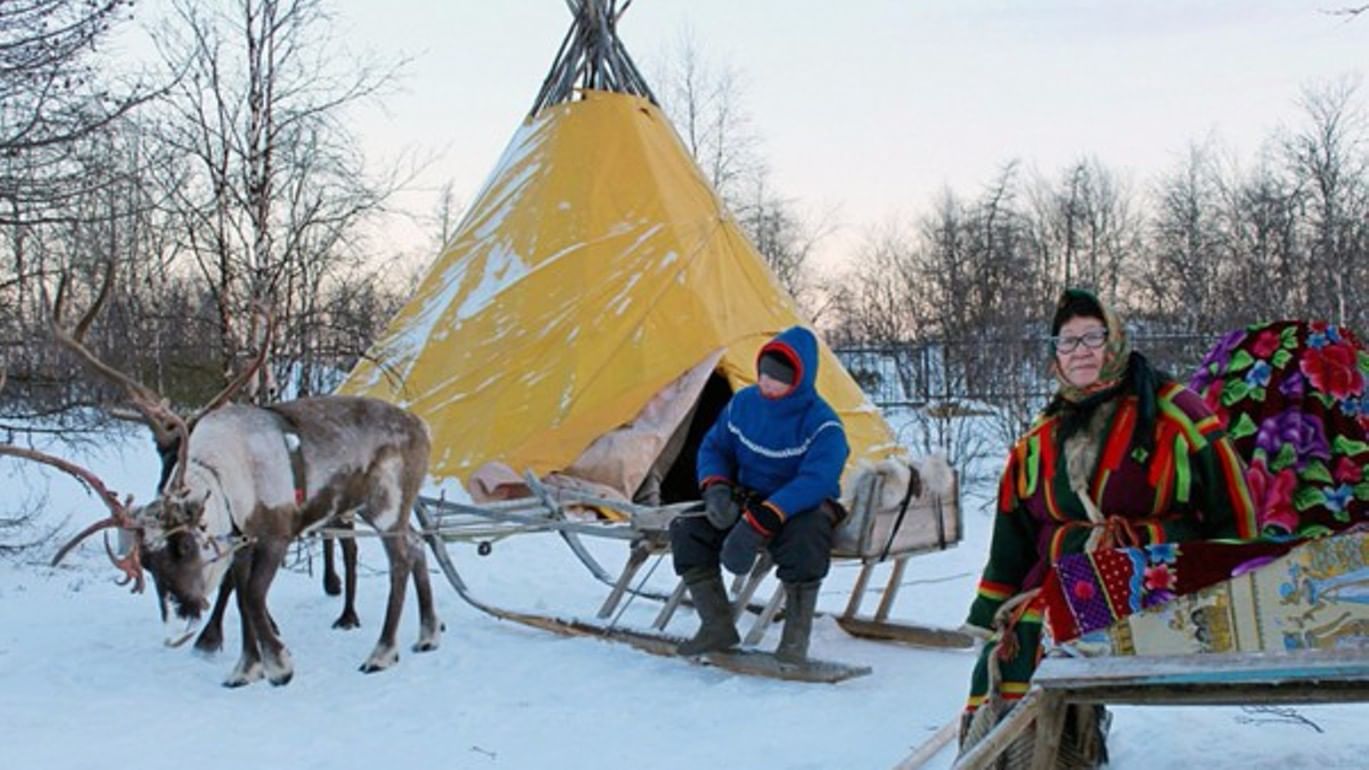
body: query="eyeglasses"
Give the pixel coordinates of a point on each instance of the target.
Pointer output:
(1092, 340)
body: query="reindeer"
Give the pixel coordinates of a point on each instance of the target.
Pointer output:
(247, 480)
(210, 639)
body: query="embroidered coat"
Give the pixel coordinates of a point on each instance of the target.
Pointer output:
(1189, 486)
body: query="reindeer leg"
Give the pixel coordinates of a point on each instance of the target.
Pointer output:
(385, 653)
(249, 668)
(430, 628)
(331, 584)
(266, 559)
(348, 618)
(210, 640)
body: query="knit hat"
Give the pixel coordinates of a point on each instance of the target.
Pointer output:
(776, 366)
(1077, 303)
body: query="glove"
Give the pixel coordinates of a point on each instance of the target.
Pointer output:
(740, 548)
(719, 507)
(757, 526)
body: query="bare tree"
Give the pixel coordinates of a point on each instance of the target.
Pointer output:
(1266, 255)
(274, 189)
(1186, 245)
(1330, 156)
(704, 102)
(56, 104)
(1085, 229)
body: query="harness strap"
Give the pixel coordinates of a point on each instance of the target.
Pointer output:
(914, 488)
(293, 448)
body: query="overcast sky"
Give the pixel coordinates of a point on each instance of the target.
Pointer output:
(874, 106)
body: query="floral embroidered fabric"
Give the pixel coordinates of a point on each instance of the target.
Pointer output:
(1292, 397)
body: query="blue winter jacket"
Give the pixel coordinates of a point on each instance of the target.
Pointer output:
(791, 449)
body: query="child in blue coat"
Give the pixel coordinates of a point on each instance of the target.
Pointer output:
(770, 472)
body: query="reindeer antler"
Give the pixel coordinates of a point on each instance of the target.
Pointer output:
(149, 403)
(167, 427)
(119, 515)
(245, 375)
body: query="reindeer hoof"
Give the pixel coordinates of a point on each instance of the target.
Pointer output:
(280, 680)
(429, 635)
(379, 661)
(244, 675)
(347, 620)
(208, 646)
(332, 585)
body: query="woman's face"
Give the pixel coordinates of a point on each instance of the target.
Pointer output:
(1079, 350)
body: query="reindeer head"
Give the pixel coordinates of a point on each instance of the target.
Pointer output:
(186, 560)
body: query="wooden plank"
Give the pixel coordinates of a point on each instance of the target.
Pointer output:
(767, 616)
(1321, 676)
(858, 592)
(1305, 692)
(886, 602)
(635, 559)
(1203, 669)
(907, 633)
(1050, 726)
(982, 754)
(741, 660)
(671, 604)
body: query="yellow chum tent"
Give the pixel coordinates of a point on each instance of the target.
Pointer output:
(595, 268)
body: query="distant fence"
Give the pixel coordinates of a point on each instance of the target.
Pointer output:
(991, 371)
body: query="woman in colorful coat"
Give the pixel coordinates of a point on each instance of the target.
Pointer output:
(1122, 455)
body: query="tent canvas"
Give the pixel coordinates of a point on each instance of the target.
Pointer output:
(596, 267)
(595, 271)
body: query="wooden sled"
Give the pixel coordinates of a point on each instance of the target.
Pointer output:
(742, 661)
(869, 535)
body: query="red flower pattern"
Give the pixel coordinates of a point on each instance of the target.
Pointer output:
(1273, 496)
(1333, 369)
(1159, 577)
(1266, 344)
(1347, 470)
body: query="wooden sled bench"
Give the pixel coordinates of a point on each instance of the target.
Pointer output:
(1227, 679)
(926, 523)
(871, 536)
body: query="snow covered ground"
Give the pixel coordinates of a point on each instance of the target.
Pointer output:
(85, 681)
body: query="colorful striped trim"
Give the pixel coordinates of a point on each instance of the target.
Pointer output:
(1181, 420)
(1013, 690)
(1243, 508)
(1209, 425)
(1156, 532)
(1183, 472)
(996, 591)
